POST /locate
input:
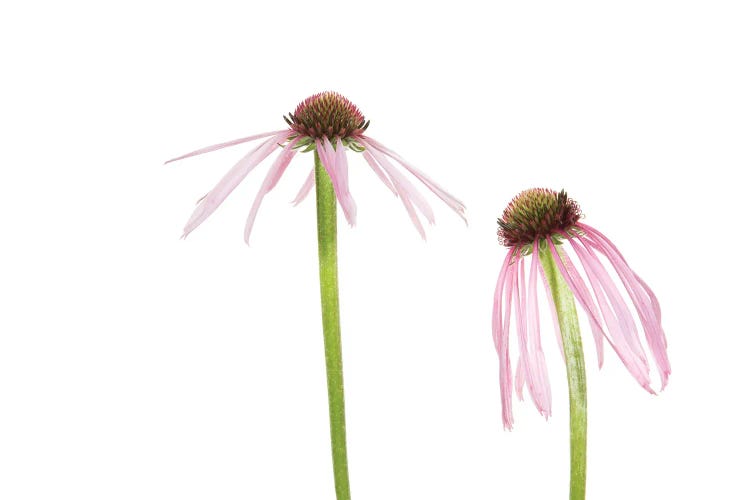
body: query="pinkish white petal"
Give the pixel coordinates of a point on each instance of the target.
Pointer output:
(342, 165)
(305, 189)
(208, 149)
(406, 202)
(553, 311)
(647, 310)
(597, 274)
(450, 200)
(379, 171)
(501, 336)
(581, 293)
(402, 185)
(229, 182)
(272, 178)
(537, 365)
(328, 158)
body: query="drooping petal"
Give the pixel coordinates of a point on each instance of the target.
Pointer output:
(379, 171)
(402, 185)
(552, 310)
(580, 292)
(208, 149)
(305, 189)
(501, 337)
(450, 200)
(599, 276)
(585, 300)
(328, 158)
(406, 202)
(518, 288)
(209, 203)
(272, 178)
(343, 172)
(537, 365)
(648, 311)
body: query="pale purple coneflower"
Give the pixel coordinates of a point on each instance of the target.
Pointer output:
(329, 124)
(537, 223)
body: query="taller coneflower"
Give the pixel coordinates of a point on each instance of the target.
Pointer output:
(328, 125)
(538, 222)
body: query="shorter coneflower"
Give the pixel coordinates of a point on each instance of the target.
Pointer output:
(539, 223)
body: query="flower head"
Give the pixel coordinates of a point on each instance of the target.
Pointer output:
(542, 220)
(328, 124)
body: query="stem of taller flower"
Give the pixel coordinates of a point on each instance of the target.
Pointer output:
(329, 298)
(574, 363)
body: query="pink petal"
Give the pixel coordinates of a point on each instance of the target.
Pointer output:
(447, 198)
(648, 310)
(272, 178)
(343, 172)
(208, 149)
(553, 311)
(501, 336)
(229, 182)
(305, 189)
(597, 274)
(328, 158)
(379, 171)
(405, 200)
(581, 293)
(537, 367)
(402, 184)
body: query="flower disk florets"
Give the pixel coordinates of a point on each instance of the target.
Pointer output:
(327, 114)
(536, 214)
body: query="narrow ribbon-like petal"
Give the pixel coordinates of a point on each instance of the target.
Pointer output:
(402, 185)
(328, 158)
(209, 203)
(450, 200)
(305, 189)
(581, 293)
(405, 200)
(208, 149)
(379, 171)
(585, 300)
(501, 336)
(648, 310)
(599, 276)
(272, 178)
(537, 365)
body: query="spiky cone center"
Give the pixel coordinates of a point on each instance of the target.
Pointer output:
(330, 115)
(536, 214)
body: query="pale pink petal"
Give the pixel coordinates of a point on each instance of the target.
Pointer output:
(537, 368)
(405, 200)
(581, 293)
(305, 189)
(518, 288)
(342, 165)
(379, 171)
(447, 198)
(501, 337)
(208, 149)
(402, 185)
(272, 178)
(552, 310)
(647, 310)
(229, 182)
(597, 274)
(520, 377)
(576, 284)
(328, 158)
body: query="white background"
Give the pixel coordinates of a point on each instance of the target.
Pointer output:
(137, 365)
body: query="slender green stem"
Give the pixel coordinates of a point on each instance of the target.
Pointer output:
(329, 298)
(571, 340)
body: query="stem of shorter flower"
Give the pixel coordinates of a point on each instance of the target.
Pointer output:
(574, 363)
(329, 298)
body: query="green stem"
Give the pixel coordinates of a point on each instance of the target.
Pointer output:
(574, 364)
(329, 298)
